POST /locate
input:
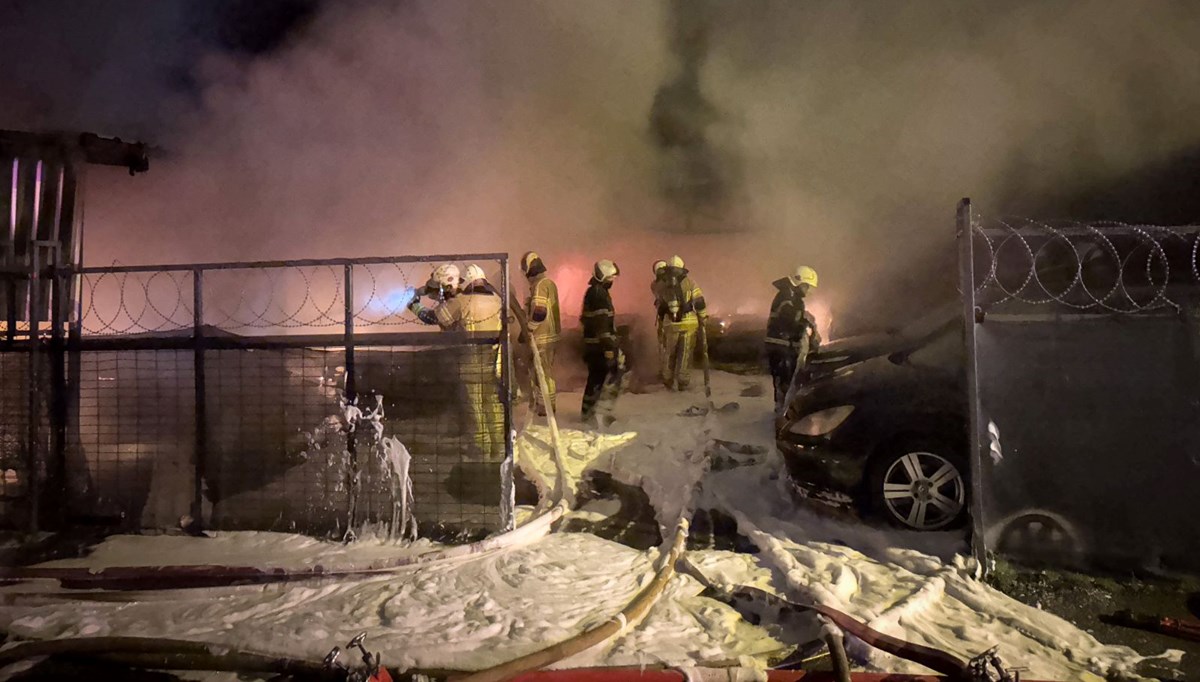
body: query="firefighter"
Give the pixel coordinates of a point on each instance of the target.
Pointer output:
(791, 330)
(544, 325)
(472, 306)
(659, 290)
(685, 312)
(601, 350)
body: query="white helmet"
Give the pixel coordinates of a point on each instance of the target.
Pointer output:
(804, 275)
(605, 271)
(659, 266)
(474, 272)
(446, 277)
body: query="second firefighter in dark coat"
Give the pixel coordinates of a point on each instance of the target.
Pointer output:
(601, 349)
(791, 331)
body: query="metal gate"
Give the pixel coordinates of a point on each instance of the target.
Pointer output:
(258, 395)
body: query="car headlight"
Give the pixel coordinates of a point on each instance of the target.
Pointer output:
(822, 422)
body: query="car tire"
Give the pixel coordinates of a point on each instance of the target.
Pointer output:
(935, 498)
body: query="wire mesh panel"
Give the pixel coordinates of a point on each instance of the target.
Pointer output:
(276, 456)
(1087, 348)
(302, 395)
(14, 427)
(130, 459)
(444, 408)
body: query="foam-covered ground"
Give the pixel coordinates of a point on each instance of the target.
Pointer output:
(487, 608)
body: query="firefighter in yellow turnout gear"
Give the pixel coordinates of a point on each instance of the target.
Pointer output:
(472, 306)
(544, 324)
(685, 312)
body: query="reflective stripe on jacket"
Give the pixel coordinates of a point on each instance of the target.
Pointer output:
(789, 321)
(685, 305)
(599, 317)
(545, 322)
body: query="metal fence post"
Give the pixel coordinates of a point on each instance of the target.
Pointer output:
(506, 480)
(57, 467)
(350, 397)
(35, 461)
(200, 458)
(966, 265)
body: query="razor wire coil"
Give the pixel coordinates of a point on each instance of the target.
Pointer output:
(122, 301)
(1102, 267)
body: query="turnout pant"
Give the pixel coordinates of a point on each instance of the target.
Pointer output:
(546, 349)
(679, 349)
(603, 386)
(783, 361)
(662, 348)
(479, 374)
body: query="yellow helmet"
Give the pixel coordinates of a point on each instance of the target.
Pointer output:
(675, 262)
(446, 276)
(474, 273)
(531, 264)
(659, 266)
(804, 275)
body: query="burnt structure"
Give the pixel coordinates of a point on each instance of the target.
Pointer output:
(40, 242)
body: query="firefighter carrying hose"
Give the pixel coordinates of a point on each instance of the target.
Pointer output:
(472, 306)
(659, 289)
(601, 349)
(791, 330)
(685, 313)
(544, 325)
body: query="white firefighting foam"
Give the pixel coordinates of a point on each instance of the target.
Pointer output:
(484, 609)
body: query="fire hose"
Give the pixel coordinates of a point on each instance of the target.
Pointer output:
(185, 576)
(630, 615)
(173, 654)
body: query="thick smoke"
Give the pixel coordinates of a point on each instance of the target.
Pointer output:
(829, 133)
(694, 176)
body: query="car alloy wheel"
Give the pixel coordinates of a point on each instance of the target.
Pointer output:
(924, 491)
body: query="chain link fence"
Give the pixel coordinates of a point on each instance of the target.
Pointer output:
(297, 395)
(1085, 376)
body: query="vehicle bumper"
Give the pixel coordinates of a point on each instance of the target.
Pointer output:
(823, 470)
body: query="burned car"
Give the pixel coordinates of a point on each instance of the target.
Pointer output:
(878, 424)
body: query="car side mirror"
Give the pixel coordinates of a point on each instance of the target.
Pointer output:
(898, 358)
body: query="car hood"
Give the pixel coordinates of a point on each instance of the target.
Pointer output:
(855, 349)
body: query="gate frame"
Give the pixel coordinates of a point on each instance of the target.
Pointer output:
(48, 470)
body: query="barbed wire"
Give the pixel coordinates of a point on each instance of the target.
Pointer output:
(124, 302)
(286, 299)
(1108, 267)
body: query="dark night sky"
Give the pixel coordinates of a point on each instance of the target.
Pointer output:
(121, 65)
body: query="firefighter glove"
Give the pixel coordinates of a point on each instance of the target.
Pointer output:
(415, 304)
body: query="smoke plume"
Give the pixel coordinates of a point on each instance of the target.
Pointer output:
(747, 137)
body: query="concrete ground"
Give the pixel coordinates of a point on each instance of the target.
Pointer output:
(1083, 599)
